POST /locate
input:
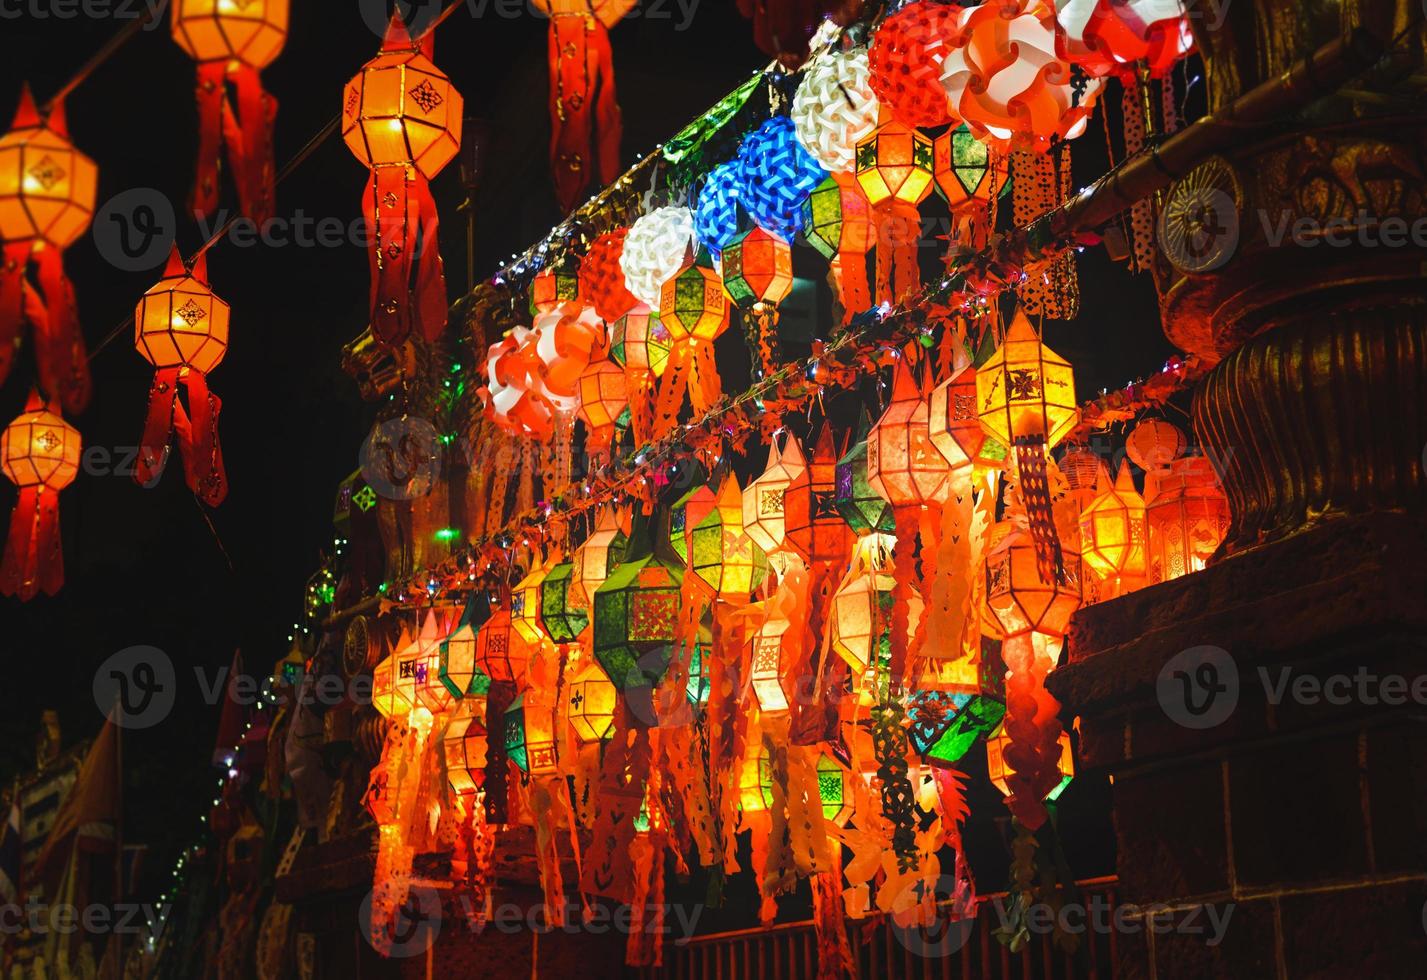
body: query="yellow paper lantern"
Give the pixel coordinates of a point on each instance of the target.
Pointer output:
(1112, 528)
(862, 607)
(1019, 599)
(723, 556)
(895, 163)
(395, 677)
(525, 606)
(590, 700)
(1026, 389)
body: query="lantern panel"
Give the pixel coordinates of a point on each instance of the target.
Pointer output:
(966, 174)
(722, 555)
(778, 499)
(591, 699)
(456, 665)
(767, 665)
(952, 421)
(758, 268)
(1188, 516)
(249, 31)
(561, 619)
(1112, 528)
(895, 164)
(181, 323)
(643, 341)
(525, 608)
(635, 614)
(604, 394)
(39, 448)
(593, 561)
(553, 287)
(686, 514)
(1021, 602)
(498, 653)
(401, 110)
(902, 463)
(864, 509)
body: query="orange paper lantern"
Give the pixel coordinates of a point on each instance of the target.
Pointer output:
(903, 465)
(39, 453)
(1188, 517)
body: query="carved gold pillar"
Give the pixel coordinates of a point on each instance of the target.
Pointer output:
(1295, 264)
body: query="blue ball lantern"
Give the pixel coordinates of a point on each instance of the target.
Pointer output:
(716, 211)
(777, 175)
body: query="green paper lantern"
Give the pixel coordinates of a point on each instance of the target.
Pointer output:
(685, 515)
(693, 303)
(456, 658)
(822, 219)
(863, 508)
(529, 742)
(636, 610)
(563, 621)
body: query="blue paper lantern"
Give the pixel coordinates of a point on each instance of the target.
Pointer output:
(777, 175)
(716, 212)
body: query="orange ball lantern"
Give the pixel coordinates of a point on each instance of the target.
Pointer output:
(47, 191)
(233, 40)
(181, 328)
(401, 117)
(39, 453)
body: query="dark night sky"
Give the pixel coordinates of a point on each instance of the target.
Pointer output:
(142, 566)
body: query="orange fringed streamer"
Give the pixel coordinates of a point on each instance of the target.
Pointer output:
(1033, 725)
(608, 868)
(548, 808)
(402, 118)
(835, 960)
(39, 452)
(585, 126)
(181, 328)
(47, 191)
(233, 43)
(392, 798)
(645, 946)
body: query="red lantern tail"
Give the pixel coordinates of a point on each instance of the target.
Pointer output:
(898, 231)
(59, 344)
(13, 260)
(197, 435)
(210, 96)
(247, 135)
(34, 560)
(582, 106)
(408, 284)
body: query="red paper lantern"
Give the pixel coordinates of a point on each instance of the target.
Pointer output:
(905, 60)
(604, 394)
(233, 41)
(39, 453)
(402, 118)
(47, 190)
(602, 279)
(181, 328)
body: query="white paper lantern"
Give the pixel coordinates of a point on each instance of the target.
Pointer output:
(835, 108)
(655, 250)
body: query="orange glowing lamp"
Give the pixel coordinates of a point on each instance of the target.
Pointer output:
(862, 607)
(1112, 528)
(723, 556)
(1019, 598)
(767, 664)
(1025, 389)
(895, 164)
(39, 453)
(466, 745)
(499, 652)
(1188, 517)
(590, 700)
(778, 499)
(998, 770)
(595, 559)
(640, 338)
(693, 303)
(903, 465)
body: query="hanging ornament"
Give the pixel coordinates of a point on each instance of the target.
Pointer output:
(758, 275)
(525, 618)
(1003, 78)
(515, 395)
(834, 108)
(1108, 37)
(693, 304)
(656, 248)
(906, 59)
(466, 746)
(722, 555)
(903, 465)
(864, 509)
(530, 735)
(1153, 444)
(778, 499)
(686, 514)
(456, 658)
(1188, 517)
(1022, 600)
(604, 395)
(432, 692)
(395, 677)
(602, 277)
(953, 423)
(499, 653)
(766, 661)
(232, 42)
(777, 177)
(560, 617)
(999, 771)
(181, 328)
(968, 176)
(402, 118)
(585, 127)
(566, 340)
(894, 170)
(837, 221)
(716, 213)
(591, 701)
(641, 340)
(595, 559)
(862, 609)
(1112, 533)
(554, 286)
(636, 610)
(1026, 397)
(39, 453)
(47, 190)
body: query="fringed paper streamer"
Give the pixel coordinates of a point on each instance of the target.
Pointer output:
(585, 126)
(1142, 212)
(608, 869)
(779, 875)
(60, 354)
(858, 236)
(1036, 186)
(898, 231)
(889, 740)
(498, 699)
(548, 808)
(408, 291)
(949, 606)
(1034, 484)
(952, 809)
(196, 429)
(835, 960)
(727, 718)
(807, 826)
(904, 571)
(645, 946)
(34, 559)
(1033, 726)
(392, 797)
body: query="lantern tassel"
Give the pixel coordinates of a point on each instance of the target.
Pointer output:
(408, 286)
(13, 300)
(581, 81)
(197, 434)
(1034, 483)
(252, 158)
(898, 227)
(59, 344)
(34, 560)
(210, 97)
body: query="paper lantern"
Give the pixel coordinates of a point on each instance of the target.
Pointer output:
(998, 770)
(515, 395)
(595, 559)
(952, 421)
(837, 221)
(655, 249)
(1020, 598)
(835, 107)
(693, 303)
(553, 287)
(946, 723)
(466, 746)
(779, 498)
(636, 611)
(499, 652)
(39, 453)
(777, 175)
(821, 526)
(401, 117)
(716, 212)
(47, 190)
(863, 508)
(833, 792)
(232, 41)
(591, 700)
(1188, 517)
(1026, 389)
(181, 328)
(861, 616)
(905, 60)
(456, 664)
(686, 514)
(566, 340)
(530, 736)
(1108, 37)
(725, 558)
(641, 338)
(1112, 528)
(563, 620)
(602, 278)
(1153, 444)
(603, 392)
(396, 677)
(1081, 469)
(902, 463)
(966, 173)
(1001, 75)
(432, 692)
(894, 165)
(525, 607)
(758, 269)
(766, 659)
